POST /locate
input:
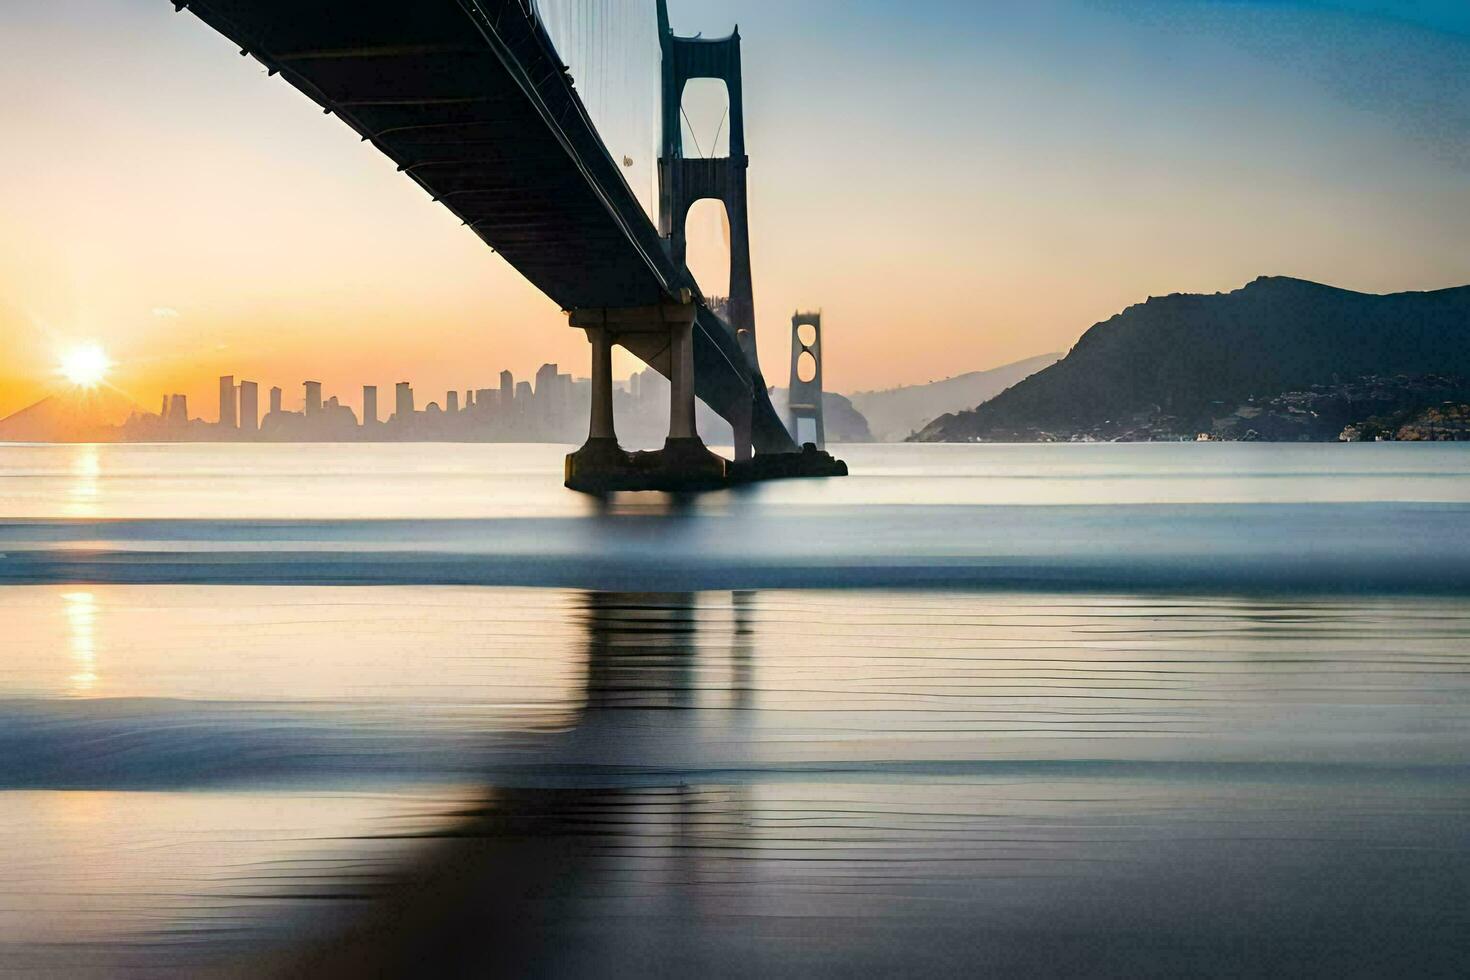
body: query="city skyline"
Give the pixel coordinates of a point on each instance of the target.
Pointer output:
(551, 406)
(268, 242)
(238, 412)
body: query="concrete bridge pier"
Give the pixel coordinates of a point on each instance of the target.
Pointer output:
(601, 448)
(743, 424)
(685, 463)
(681, 384)
(684, 451)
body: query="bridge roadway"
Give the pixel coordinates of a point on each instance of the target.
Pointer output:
(471, 101)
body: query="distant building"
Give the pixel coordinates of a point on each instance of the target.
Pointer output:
(227, 416)
(650, 386)
(551, 407)
(249, 407)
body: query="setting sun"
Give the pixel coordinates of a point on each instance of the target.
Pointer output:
(84, 365)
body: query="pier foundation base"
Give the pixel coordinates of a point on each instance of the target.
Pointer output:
(688, 467)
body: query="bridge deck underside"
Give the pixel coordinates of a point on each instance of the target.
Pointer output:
(469, 99)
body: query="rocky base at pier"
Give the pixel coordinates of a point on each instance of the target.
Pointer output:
(686, 466)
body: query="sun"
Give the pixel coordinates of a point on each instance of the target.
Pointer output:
(85, 365)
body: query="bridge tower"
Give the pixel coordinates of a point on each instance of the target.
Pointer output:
(683, 181)
(805, 395)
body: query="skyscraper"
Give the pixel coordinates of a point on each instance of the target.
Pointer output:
(451, 402)
(313, 397)
(546, 410)
(369, 406)
(403, 401)
(178, 409)
(228, 419)
(507, 389)
(275, 400)
(249, 407)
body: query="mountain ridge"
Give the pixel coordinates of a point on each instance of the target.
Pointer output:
(1184, 359)
(896, 413)
(74, 415)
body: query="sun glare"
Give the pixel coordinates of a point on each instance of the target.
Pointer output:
(84, 365)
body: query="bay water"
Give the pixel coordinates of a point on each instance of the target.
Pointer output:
(1095, 709)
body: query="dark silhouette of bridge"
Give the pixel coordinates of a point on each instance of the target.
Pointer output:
(471, 100)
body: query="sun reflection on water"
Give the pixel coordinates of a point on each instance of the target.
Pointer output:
(81, 623)
(82, 491)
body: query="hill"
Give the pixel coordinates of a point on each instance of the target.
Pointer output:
(843, 422)
(1172, 365)
(74, 415)
(896, 413)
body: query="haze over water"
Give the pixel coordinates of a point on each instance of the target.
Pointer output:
(949, 714)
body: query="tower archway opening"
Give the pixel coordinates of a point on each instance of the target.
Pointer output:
(806, 367)
(704, 111)
(707, 237)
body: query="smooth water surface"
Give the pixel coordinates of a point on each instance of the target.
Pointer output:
(1352, 518)
(1234, 775)
(419, 481)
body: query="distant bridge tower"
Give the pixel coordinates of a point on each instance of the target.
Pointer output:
(683, 182)
(805, 401)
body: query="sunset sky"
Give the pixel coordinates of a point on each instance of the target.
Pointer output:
(956, 184)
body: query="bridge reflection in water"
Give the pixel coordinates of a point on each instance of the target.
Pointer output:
(761, 783)
(736, 799)
(587, 828)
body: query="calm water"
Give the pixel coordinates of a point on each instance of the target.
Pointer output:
(1152, 710)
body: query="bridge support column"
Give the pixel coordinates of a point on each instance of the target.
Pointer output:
(681, 382)
(742, 423)
(601, 426)
(601, 452)
(684, 451)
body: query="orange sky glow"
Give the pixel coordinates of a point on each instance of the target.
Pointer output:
(950, 207)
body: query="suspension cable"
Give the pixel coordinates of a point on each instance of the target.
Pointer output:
(692, 134)
(715, 143)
